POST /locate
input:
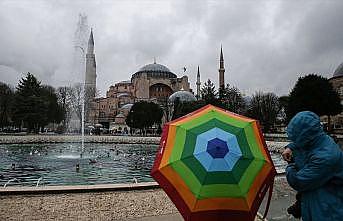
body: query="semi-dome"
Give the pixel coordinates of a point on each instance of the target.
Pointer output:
(123, 95)
(155, 70)
(339, 71)
(120, 115)
(183, 96)
(127, 106)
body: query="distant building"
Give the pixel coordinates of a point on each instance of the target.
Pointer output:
(156, 81)
(198, 83)
(221, 70)
(180, 96)
(337, 83)
(90, 74)
(153, 82)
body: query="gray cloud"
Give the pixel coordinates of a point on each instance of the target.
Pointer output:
(267, 45)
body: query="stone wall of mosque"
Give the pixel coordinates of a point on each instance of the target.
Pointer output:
(142, 84)
(336, 121)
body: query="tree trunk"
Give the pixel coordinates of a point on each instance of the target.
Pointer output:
(329, 124)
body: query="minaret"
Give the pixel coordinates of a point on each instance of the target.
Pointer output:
(90, 78)
(221, 69)
(198, 84)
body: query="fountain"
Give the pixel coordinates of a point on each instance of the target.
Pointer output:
(14, 179)
(60, 163)
(83, 120)
(40, 178)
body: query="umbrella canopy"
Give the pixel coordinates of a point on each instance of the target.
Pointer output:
(214, 165)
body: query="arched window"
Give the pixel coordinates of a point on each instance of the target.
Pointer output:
(340, 90)
(160, 90)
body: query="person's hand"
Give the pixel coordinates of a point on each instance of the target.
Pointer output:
(287, 154)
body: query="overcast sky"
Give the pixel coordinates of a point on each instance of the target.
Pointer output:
(267, 44)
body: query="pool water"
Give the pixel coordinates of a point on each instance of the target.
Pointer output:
(55, 164)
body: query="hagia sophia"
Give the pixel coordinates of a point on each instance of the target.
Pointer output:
(157, 83)
(152, 82)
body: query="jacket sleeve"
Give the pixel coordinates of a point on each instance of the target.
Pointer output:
(291, 146)
(314, 174)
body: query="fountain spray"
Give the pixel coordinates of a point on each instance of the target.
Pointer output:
(82, 120)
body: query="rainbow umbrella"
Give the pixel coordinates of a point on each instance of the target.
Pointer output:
(214, 165)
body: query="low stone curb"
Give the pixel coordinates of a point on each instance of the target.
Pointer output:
(77, 139)
(78, 188)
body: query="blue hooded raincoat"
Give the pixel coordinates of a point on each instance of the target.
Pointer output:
(318, 169)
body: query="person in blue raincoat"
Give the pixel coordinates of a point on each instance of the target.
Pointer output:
(317, 171)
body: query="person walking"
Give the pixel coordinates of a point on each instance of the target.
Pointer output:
(317, 171)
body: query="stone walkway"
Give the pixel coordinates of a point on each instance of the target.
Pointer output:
(144, 205)
(170, 217)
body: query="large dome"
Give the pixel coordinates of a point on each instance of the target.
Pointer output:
(155, 70)
(184, 96)
(339, 71)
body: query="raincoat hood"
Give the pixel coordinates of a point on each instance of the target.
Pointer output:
(304, 128)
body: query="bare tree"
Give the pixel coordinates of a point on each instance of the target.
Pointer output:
(233, 100)
(77, 96)
(265, 108)
(65, 99)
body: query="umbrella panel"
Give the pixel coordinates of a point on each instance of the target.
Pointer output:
(217, 164)
(219, 176)
(187, 203)
(194, 167)
(200, 116)
(217, 148)
(205, 145)
(229, 139)
(190, 152)
(218, 189)
(200, 171)
(213, 114)
(194, 209)
(208, 208)
(191, 136)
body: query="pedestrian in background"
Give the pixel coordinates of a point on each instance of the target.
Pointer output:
(317, 171)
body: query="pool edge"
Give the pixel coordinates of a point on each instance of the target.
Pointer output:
(77, 188)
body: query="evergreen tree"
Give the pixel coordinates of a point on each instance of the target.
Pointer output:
(209, 93)
(183, 108)
(29, 107)
(35, 106)
(313, 93)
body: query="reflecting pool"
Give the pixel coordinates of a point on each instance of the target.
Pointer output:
(56, 164)
(61, 164)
